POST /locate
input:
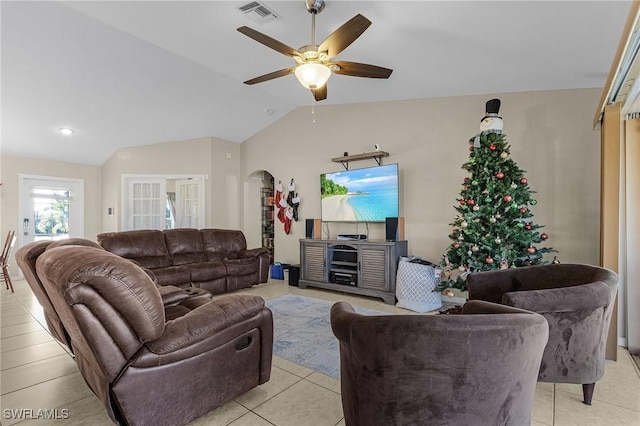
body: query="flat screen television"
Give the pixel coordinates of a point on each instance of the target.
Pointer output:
(360, 195)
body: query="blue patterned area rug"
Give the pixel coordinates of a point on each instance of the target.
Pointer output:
(302, 332)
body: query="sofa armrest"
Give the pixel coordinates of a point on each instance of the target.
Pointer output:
(172, 295)
(201, 324)
(255, 252)
(263, 255)
(482, 307)
(490, 285)
(341, 315)
(587, 297)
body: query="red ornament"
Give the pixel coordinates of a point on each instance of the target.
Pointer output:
(492, 147)
(507, 198)
(489, 260)
(544, 236)
(499, 175)
(523, 210)
(531, 249)
(463, 202)
(470, 147)
(466, 179)
(456, 245)
(470, 201)
(528, 227)
(524, 181)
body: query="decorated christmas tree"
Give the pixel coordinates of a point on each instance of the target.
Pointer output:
(494, 227)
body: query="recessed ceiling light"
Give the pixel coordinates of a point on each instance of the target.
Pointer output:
(66, 131)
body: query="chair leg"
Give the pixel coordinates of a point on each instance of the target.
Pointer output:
(587, 391)
(7, 278)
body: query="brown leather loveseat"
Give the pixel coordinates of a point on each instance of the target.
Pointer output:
(216, 260)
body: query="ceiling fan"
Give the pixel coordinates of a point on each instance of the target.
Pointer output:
(315, 62)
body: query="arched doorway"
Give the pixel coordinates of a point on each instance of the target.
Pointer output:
(267, 214)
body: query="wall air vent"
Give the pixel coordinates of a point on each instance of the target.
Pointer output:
(258, 12)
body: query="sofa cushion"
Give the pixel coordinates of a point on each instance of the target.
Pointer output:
(146, 247)
(223, 240)
(207, 271)
(173, 275)
(237, 267)
(220, 256)
(184, 246)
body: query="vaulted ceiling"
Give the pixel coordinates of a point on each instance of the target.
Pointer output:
(127, 73)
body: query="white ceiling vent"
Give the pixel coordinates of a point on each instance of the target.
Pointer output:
(258, 12)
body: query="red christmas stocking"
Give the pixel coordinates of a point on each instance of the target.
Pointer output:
(279, 202)
(287, 220)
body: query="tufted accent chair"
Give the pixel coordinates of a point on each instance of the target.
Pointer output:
(577, 301)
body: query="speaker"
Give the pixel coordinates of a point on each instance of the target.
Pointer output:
(313, 229)
(394, 228)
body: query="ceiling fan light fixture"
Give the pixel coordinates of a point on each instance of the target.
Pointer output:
(312, 75)
(66, 131)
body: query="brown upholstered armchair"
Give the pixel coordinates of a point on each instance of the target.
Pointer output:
(479, 368)
(147, 369)
(577, 301)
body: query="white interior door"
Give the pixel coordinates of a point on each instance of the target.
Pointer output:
(51, 208)
(163, 202)
(146, 203)
(188, 203)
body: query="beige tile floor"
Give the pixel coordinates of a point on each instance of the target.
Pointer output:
(37, 373)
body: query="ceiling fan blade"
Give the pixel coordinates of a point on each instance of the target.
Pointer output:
(341, 38)
(269, 42)
(271, 76)
(361, 70)
(320, 93)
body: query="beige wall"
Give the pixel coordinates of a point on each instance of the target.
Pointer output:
(550, 134)
(12, 167)
(218, 159)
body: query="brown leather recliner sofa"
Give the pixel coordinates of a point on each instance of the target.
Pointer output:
(146, 368)
(216, 260)
(175, 299)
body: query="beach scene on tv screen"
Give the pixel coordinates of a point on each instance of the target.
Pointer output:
(361, 195)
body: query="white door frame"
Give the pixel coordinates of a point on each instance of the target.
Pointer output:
(127, 178)
(76, 206)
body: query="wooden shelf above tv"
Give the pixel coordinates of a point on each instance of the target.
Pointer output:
(376, 155)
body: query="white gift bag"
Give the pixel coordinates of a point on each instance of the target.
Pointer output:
(414, 287)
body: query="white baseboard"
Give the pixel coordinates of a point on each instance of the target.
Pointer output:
(622, 341)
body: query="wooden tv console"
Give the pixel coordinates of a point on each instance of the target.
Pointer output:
(366, 267)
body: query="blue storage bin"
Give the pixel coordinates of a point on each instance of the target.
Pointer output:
(277, 270)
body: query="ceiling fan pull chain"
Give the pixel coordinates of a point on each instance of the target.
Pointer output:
(313, 110)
